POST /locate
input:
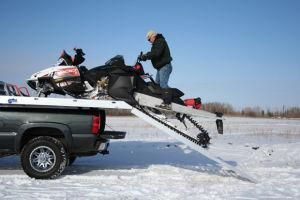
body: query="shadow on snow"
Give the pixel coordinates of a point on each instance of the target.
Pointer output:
(129, 155)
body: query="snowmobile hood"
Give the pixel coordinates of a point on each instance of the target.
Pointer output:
(49, 71)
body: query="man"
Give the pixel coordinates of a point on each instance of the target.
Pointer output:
(160, 57)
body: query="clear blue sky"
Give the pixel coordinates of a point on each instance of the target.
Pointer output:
(242, 52)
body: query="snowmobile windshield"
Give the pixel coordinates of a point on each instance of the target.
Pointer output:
(61, 62)
(64, 59)
(118, 60)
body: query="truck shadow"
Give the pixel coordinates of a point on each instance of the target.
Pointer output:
(130, 155)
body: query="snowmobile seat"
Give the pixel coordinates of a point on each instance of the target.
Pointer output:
(167, 94)
(170, 95)
(153, 89)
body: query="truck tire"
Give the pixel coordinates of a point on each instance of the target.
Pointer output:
(44, 158)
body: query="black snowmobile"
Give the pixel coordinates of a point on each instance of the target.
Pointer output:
(124, 81)
(121, 82)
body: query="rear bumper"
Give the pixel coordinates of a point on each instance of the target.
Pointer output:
(113, 135)
(87, 144)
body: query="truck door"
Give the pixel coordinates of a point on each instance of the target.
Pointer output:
(7, 137)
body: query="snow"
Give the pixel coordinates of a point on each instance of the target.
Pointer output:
(148, 164)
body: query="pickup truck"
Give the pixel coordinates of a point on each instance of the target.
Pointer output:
(49, 139)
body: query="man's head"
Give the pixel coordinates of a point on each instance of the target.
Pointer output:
(151, 35)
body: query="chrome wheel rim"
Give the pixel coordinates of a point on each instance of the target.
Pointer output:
(42, 159)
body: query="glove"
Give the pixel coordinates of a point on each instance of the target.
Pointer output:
(143, 57)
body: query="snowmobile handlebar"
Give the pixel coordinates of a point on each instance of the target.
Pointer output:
(139, 57)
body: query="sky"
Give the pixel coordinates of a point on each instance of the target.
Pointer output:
(241, 52)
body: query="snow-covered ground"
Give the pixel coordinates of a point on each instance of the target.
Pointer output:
(148, 164)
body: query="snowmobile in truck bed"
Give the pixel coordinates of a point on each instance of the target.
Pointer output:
(125, 83)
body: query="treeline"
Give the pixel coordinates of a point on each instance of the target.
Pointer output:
(227, 109)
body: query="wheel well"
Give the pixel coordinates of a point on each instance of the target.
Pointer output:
(42, 131)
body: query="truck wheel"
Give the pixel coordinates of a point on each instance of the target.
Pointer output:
(44, 158)
(71, 160)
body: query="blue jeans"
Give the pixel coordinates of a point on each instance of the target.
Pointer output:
(162, 75)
